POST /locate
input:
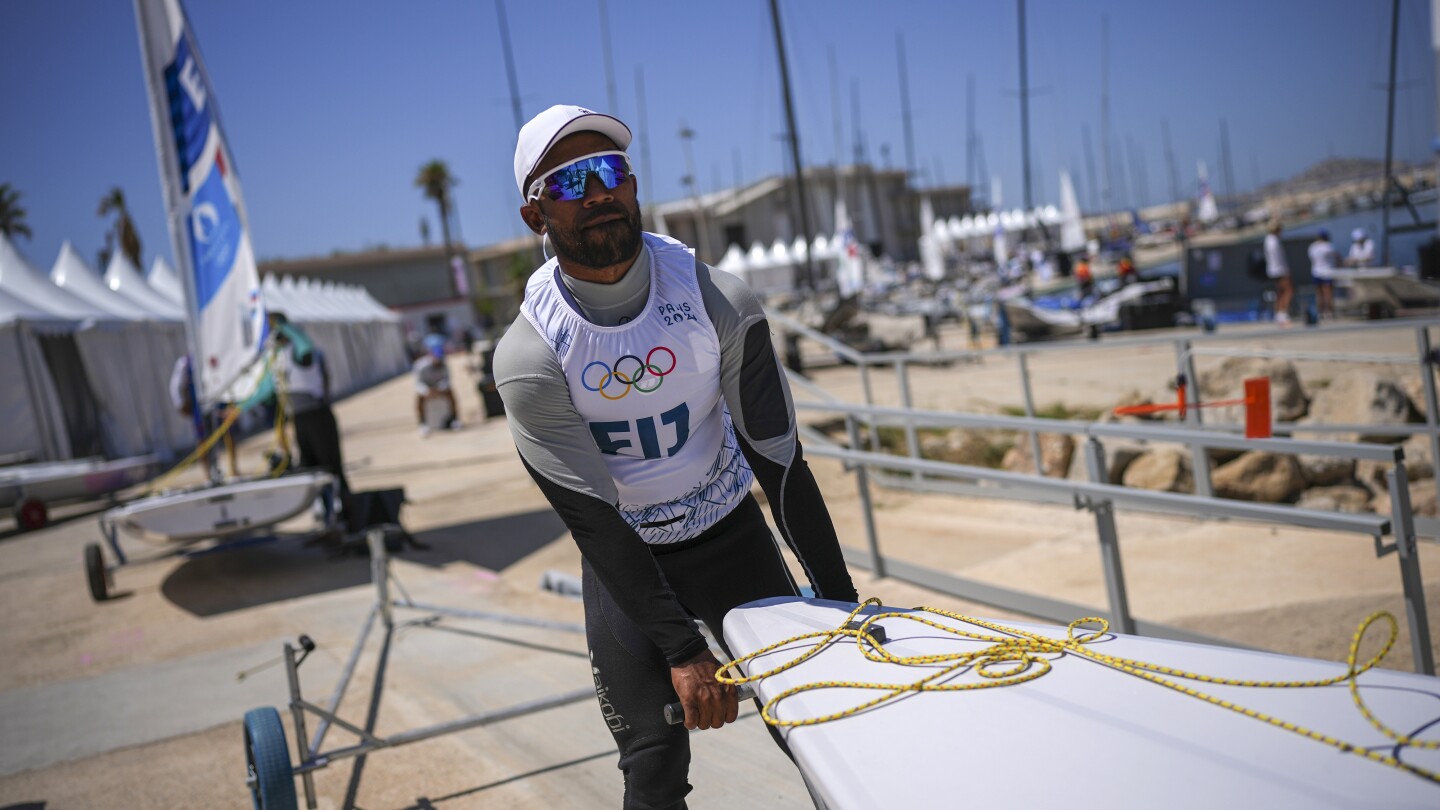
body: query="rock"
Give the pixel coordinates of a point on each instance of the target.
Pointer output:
(1056, 449)
(1363, 398)
(1418, 466)
(1422, 500)
(1326, 471)
(1119, 454)
(1287, 398)
(1419, 463)
(1336, 499)
(959, 447)
(1164, 470)
(1256, 476)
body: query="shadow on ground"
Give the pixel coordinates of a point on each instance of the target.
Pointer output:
(288, 569)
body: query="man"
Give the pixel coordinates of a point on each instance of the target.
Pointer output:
(304, 392)
(1279, 272)
(432, 382)
(644, 395)
(1362, 250)
(1322, 269)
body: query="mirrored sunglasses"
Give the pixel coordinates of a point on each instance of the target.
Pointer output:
(568, 182)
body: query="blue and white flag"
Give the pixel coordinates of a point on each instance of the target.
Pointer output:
(206, 211)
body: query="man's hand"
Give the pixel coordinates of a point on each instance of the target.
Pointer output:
(708, 703)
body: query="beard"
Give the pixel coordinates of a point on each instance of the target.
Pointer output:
(602, 246)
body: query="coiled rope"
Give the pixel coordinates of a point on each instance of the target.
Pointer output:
(1016, 656)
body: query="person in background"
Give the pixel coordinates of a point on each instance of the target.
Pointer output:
(1084, 277)
(186, 402)
(1125, 270)
(304, 391)
(432, 381)
(1322, 269)
(1278, 271)
(1362, 250)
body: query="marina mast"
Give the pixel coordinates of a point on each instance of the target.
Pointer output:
(807, 280)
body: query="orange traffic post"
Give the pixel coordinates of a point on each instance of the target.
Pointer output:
(1257, 408)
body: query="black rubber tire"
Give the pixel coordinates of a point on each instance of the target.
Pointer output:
(32, 515)
(268, 757)
(95, 574)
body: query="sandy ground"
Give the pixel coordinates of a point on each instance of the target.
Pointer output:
(135, 702)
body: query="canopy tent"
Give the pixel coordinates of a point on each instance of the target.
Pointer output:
(71, 274)
(20, 279)
(164, 280)
(124, 277)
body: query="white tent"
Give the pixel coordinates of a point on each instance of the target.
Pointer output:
(733, 261)
(21, 280)
(164, 280)
(72, 275)
(123, 277)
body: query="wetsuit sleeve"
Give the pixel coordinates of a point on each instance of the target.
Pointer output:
(560, 454)
(758, 396)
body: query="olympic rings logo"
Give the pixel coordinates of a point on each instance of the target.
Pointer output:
(633, 376)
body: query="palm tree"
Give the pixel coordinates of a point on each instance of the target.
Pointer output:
(114, 202)
(436, 181)
(12, 215)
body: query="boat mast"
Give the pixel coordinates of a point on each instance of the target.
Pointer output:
(970, 135)
(1094, 187)
(1105, 112)
(1435, 46)
(807, 280)
(1024, 113)
(1170, 161)
(610, 96)
(1389, 136)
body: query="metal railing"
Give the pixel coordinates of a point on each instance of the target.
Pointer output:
(1098, 495)
(1186, 347)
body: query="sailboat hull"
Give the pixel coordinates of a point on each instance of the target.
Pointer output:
(218, 511)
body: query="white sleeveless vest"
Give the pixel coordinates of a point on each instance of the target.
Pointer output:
(298, 379)
(649, 392)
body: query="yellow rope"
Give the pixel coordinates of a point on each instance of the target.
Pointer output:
(1015, 657)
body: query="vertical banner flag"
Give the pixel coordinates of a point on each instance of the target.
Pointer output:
(205, 209)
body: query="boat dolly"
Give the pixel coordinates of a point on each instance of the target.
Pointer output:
(270, 774)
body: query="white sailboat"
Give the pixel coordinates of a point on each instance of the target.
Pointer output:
(223, 298)
(1072, 227)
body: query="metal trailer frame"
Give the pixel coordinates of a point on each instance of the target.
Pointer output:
(312, 758)
(100, 575)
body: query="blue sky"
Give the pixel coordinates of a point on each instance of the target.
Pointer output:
(331, 106)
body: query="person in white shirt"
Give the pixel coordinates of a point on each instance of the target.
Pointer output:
(1279, 272)
(1362, 250)
(1322, 269)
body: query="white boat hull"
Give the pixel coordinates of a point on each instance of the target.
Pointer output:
(54, 481)
(218, 511)
(1082, 729)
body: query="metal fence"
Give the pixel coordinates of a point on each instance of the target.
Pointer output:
(1097, 495)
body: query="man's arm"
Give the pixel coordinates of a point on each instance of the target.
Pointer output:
(758, 396)
(560, 454)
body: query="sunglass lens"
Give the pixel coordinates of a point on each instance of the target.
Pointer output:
(568, 182)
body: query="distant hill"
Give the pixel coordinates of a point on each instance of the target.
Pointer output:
(1330, 172)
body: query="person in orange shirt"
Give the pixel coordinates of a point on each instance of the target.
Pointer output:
(1085, 277)
(1126, 269)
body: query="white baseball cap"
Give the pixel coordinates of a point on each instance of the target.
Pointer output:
(545, 129)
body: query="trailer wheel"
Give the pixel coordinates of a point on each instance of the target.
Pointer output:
(95, 573)
(272, 781)
(32, 515)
